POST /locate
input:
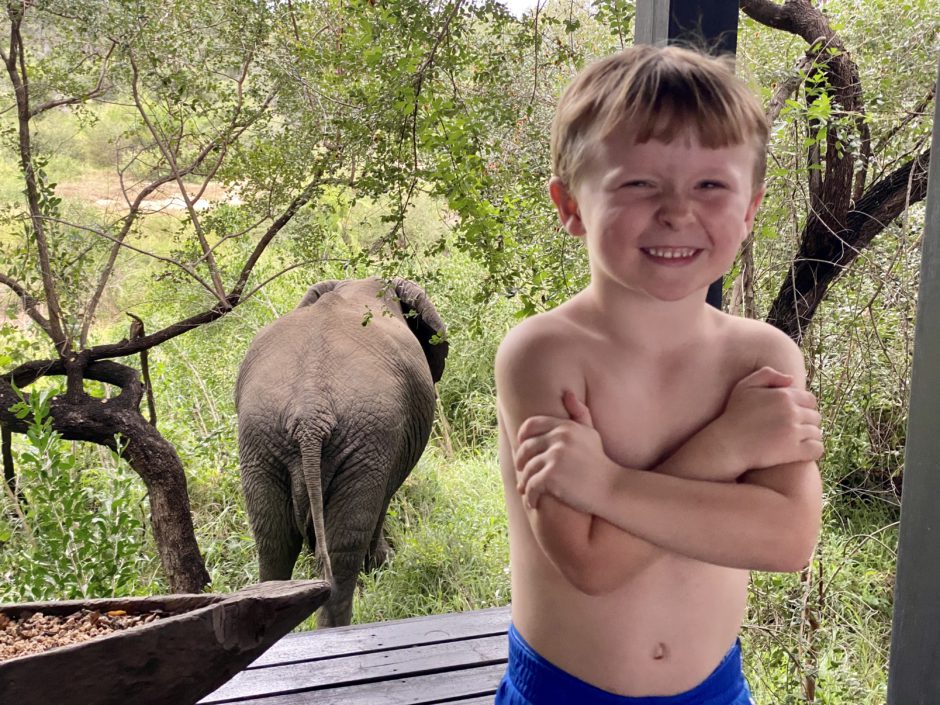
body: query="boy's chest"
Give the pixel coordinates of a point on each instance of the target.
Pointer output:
(645, 412)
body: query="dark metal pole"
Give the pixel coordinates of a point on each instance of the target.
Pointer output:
(711, 25)
(914, 668)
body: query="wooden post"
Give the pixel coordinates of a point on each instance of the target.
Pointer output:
(914, 669)
(706, 24)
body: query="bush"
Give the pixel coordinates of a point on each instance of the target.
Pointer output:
(73, 533)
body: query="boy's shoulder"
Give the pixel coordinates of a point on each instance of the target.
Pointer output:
(545, 333)
(543, 342)
(767, 344)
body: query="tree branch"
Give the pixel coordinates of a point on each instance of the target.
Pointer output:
(786, 88)
(823, 255)
(98, 90)
(237, 130)
(16, 68)
(120, 243)
(132, 347)
(30, 305)
(218, 287)
(301, 200)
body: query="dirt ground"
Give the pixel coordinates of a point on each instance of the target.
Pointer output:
(104, 190)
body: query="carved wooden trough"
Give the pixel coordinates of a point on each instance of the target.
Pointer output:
(202, 642)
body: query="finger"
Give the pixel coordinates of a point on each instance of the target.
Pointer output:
(813, 417)
(531, 495)
(527, 450)
(812, 433)
(814, 450)
(577, 410)
(809, 417)
(767, 377)
(531, 499)
(804, 398)
(536, 426)
(528, 471)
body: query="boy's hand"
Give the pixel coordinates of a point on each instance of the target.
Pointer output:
(553, 454)
(767, 422)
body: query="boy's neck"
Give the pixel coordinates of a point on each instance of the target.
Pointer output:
(649, 325)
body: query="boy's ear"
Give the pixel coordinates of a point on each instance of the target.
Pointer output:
(754, 205)
(567, 206)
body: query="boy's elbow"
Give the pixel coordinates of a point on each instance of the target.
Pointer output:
(588, 576)
(793, 552)
(793, 560)
(600, 567)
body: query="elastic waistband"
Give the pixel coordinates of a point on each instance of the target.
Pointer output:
(540, 681)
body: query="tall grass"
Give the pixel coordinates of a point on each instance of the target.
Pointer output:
(447, 526)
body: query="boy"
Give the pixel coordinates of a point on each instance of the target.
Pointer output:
(629, 586)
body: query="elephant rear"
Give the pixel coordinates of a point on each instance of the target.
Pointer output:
(335, 404)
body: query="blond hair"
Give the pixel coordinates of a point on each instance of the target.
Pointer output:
(656, 93)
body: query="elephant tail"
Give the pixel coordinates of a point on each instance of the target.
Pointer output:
(310, 451)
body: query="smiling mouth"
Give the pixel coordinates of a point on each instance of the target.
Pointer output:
(676, 253)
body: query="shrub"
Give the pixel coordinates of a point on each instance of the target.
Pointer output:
(72, 534)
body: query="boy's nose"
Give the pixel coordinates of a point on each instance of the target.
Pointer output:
(674, 210)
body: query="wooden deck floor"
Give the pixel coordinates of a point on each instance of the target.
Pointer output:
(452, 658)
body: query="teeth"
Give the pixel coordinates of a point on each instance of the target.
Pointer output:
(671, 252)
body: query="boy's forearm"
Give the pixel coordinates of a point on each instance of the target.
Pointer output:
(737, 525)
(582, 537)
(703, 456)
(594, 555)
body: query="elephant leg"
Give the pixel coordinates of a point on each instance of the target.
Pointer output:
(337, 611)
(270, 511)
(379, 550)
(351, 514)
(278, 552)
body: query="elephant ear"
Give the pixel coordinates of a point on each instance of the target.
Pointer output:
(425, 323)
(316, 291)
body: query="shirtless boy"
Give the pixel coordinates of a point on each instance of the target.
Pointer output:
(653, 449)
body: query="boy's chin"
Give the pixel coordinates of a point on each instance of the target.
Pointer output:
(677, 293)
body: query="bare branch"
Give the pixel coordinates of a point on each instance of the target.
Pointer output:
(132, 347)
(786, 88)
(235, 235)
(30, 305)
(119, 242)
(919, 111)
(98, 90)
(284, 271)
(138, 330)
(823, 255)
(235, 131)
(301, 200)
(218, 287)
(16, 68)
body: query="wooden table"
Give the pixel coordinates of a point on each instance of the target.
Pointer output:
(453, 658)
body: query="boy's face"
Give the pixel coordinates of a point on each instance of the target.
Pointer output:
(662, 220)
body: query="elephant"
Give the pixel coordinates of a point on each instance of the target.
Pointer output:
(335, 402)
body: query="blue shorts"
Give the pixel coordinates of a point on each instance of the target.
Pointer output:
(531, 680)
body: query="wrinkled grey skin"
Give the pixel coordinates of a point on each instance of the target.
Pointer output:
(333, 414)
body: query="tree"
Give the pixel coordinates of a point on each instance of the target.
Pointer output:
(851, 197)
(273, 101)
(191, 118)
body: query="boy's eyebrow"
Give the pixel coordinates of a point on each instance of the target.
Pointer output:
(621, 174)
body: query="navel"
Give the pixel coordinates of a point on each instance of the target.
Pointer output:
(659, 653)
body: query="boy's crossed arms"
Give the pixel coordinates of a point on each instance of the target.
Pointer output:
(743, 492)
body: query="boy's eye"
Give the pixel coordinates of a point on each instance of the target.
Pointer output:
(711, 185)
(636, 183)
